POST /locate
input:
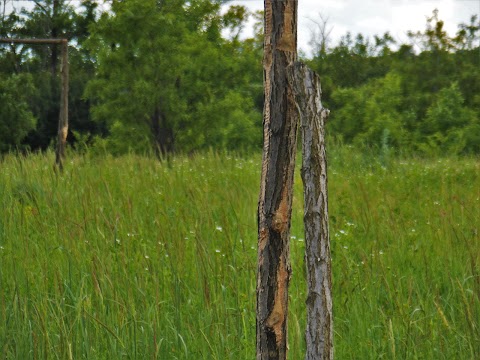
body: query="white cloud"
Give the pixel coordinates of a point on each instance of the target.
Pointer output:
(375, 17)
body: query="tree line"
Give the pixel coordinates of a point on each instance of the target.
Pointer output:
(177, 76)
(421, 97)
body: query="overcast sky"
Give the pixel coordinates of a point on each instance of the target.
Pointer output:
(375, 17)
(369, 17)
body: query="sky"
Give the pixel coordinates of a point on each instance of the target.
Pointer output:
(373, 17)
(368, 17)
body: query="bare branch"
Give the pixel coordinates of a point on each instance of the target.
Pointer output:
(320, 34)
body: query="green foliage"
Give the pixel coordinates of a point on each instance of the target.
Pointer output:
(138, 66)
(51, 19)
(449, 126)
(123, 138)
(129, 257)
(16, 118)
(177, 76)
(434, 38)
(168, 84)
(228, 123)
(371, 111)
(424, 102)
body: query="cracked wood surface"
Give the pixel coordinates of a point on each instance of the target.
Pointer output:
(280, 122)
(319, 332)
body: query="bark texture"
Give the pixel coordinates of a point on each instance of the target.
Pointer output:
(319, 333)
(63, 117)
(280, 120)
(162, 133)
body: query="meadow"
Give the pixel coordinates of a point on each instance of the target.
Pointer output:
(132, 258)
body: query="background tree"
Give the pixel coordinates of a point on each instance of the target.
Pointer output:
(47, 19)
(381, 95)
(16, 118)
(449, 126)
(177, 76)
(183, 87)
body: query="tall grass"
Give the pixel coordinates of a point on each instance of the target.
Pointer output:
(132, 258)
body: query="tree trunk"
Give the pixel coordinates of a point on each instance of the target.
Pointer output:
(319, 333)
(280, 120)
(63, 118)
(162, 134)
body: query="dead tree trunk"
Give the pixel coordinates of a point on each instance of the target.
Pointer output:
(63, 118)
(319, 333)
(280, 120)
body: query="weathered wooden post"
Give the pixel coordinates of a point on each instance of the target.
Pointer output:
(319, 333)
(280, 119)
(63, 117)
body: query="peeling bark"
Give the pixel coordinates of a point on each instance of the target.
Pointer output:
(280, 120)
(319, 333)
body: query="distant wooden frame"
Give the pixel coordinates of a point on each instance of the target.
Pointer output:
(63, 116)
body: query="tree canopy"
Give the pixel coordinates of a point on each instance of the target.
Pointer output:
(179, 76)
(420, 97)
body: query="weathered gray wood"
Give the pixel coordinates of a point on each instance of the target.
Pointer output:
(63, 117)
(275, 202)
(319, 333)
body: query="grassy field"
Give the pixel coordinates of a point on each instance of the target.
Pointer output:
(129, 258)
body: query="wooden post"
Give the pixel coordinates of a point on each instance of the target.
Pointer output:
(63, 116)
(319, 333)
(280, 120)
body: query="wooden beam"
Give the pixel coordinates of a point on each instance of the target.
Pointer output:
(63, 117)
(32, 41)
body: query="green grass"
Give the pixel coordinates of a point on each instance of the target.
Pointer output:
(130, 258)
